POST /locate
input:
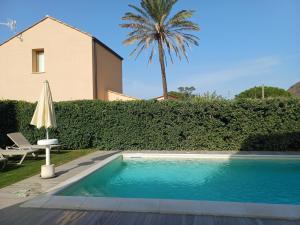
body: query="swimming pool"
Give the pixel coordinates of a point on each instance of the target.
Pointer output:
(229, 179)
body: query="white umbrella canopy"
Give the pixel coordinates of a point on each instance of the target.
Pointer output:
(44, 114)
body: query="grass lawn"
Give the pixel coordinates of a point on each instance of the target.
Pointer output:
(14, 173)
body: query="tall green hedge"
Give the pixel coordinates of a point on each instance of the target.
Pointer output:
(170, 125)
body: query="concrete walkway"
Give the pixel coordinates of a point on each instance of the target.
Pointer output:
(33, 186)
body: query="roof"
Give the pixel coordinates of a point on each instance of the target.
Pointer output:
(83, 32)
(121, 94)
(169, 95)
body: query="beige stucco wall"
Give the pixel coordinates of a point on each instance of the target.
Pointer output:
(108, 72)
(68, 63)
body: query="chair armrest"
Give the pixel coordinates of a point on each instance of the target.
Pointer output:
(38, 146)
(12, 148)
(54, 146)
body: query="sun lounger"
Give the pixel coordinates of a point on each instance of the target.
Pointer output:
(20, 142)
(23, 147)
(16, 152)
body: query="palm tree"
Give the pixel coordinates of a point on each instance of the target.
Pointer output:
(153, 27)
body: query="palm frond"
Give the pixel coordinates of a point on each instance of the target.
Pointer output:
(151, 22)
(133, 18)
(184, 25)
(141, 11)
(180, 16)
(134, 26)
(132, 39)
(138, 46)
(152, 54)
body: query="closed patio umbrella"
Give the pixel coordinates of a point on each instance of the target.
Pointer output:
(44, 114)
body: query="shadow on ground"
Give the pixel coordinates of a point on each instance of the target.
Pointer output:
(272, 142)
(90, 162)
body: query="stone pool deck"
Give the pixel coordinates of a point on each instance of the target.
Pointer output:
(12, 196)
(33, 186)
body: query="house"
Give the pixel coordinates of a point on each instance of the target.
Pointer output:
(161, 98)
(114, 96)
(76, 64)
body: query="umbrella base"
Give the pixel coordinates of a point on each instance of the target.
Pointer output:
(47, 171)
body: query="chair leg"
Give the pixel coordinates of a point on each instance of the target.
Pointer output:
(4, 164)
(35, 155)
(5, 161)
(23, 157)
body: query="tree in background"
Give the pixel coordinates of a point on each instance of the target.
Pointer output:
(187, 93)
(187, 90)
(208, 96)
(269, 92)
(153, 27)
(183, 93)
(211, 96)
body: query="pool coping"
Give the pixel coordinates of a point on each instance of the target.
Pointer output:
(194, 207)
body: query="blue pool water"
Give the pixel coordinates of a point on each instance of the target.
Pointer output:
(236, 180)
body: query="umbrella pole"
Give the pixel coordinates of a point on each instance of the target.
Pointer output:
(48, 155)
(47, 150)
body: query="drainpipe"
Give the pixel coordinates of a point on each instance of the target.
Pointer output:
(94, 62)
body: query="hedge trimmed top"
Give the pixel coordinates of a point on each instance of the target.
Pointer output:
(169, 125)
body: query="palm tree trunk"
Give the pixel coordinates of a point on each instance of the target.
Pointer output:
(163, 69)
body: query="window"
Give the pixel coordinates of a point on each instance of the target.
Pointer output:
(38, 61)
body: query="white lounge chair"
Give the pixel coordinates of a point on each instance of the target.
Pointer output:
(23, 147)
(17, 152)
(20, 142)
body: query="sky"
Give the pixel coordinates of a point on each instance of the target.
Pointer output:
(243, 43)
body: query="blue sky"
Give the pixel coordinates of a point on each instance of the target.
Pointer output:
(243, 43)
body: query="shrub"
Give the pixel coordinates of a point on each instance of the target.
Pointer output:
(269, 92)
(168, 125)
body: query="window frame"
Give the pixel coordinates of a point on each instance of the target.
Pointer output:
(35, 60)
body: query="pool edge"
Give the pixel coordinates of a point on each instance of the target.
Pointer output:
(82, 174)
(193, 207)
